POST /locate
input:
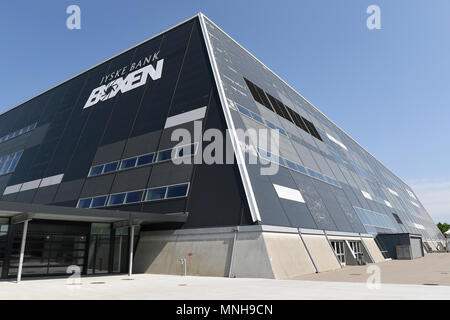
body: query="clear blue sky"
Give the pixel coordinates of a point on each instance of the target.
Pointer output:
(389, 88)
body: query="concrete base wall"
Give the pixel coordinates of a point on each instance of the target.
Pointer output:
(373, 249)
(160, 252)
(288, 256)
(251, 252)
(321, 252)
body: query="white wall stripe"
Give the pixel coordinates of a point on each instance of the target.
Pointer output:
(31, 185)
(185, 117)
(49, 181)
(336, 141)
(288, 193)
(366, 195)
(12, 189)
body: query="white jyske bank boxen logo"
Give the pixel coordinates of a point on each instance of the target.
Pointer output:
(132, 81)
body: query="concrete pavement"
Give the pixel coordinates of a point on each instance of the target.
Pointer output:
(146, 286)
(425, 278)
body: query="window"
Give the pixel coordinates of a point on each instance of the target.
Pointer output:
(156, 194)
(18, 132)
(109, 167)
(332, 181)
(177, 191)
(274, 127)
(9, 162)
(257, 118)
(312, 129)
(98, 201)
(116, 199)
(96, 170)
(145, 159)
(281, 109)
(164, 155)
(186, 151)
(291, 165)
(263, 97)
(372, 220)
(135, 196)
(128, 163)
(397, 218)
(254, 92)
(84, 203)
(244, 110)
(152, 194)
(315, 174)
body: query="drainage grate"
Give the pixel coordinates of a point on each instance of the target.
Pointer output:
(97, 282)
(183, 285)
(430, 284)
(127, 279)
(355, 274)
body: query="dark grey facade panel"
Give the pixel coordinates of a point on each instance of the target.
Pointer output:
(69, 191)
(45, 195)
(97, 186)
(130, 180)
(142, 144)
(108, 153)
(167, 173)
(314, 202)
(296, 212)
(26, 196)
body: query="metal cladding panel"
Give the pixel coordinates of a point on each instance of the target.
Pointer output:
(341, 168)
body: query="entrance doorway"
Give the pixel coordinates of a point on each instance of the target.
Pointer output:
(53, 246)
(109, 249)
(50, 248)
(4, 226)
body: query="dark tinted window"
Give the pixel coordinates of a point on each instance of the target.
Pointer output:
(145, 159)
(177, 191)
(116, 199)
(156, 194)
(135, 196)
(111, 167)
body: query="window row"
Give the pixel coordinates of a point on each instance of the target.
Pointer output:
(152, 194)
(18, 132)
(259, 119)
(145, 159)
(376, 198)
(296, 167)
(284, 162)
(374, 219)
(275, 105)
(9, 162)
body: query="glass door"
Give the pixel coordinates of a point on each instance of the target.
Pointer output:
(48, 254)
(121, 249)
(3, 241)
(99, 248)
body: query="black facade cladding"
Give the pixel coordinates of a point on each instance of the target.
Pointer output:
(74, 138)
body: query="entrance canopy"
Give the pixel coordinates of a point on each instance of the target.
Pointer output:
(19, 212)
